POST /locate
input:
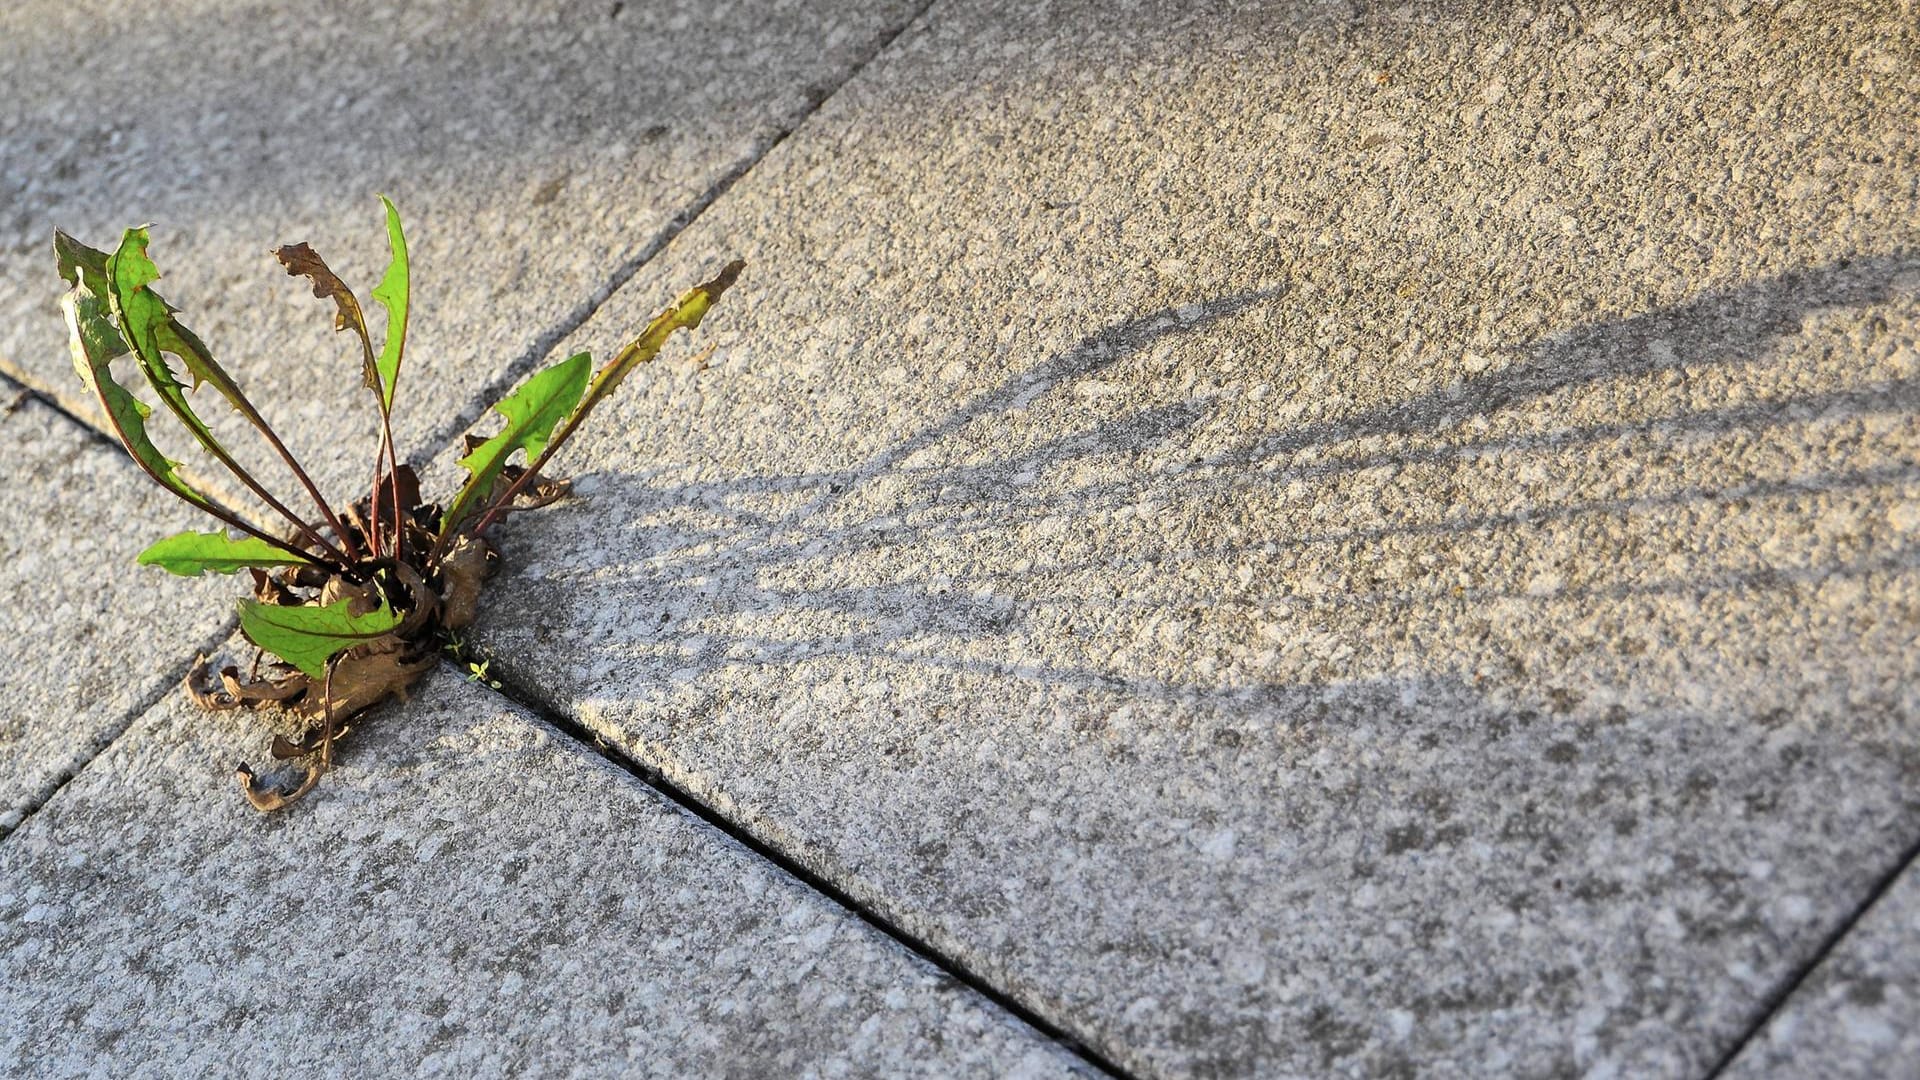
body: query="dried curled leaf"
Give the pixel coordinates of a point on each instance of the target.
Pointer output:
(302, 261)
(268, 800)
(464, 569)
(363, 679)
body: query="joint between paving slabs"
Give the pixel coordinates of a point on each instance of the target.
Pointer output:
(1790, 986)
(691, 804)
(549, 340)
(139, 708)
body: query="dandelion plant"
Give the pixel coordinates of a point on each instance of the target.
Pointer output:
(352, 603)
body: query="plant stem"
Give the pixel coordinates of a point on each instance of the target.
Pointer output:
(391, 457)
(220, 454)
(333, 521)
(235, 521)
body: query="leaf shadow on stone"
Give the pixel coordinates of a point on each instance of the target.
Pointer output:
(1736, 323)
(716, 577)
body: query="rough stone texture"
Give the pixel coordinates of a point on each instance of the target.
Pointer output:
(1858, 1015)
(1296, 542)
(535, 149)
(469, 894)
(90, 638)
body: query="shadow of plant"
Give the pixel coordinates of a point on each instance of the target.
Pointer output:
(721, 557)
(1452, 650)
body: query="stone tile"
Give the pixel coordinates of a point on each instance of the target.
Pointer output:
(535, 149)
(1858, 1014)
(1295, 542)
(90, 638)
(468, 894)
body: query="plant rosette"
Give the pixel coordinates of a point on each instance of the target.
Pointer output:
(354, 605)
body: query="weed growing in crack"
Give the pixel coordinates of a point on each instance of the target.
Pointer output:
(355, 603)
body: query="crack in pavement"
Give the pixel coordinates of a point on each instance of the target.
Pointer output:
(951, 966)
(1788, 987)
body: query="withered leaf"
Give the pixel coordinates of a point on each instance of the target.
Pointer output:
(302, 261)
(268, 799)
(362, 680)
(463, 569)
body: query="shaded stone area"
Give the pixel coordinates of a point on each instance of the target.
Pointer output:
(91, 638)
(1859, 1012)
(468, 894)
(1295, 541)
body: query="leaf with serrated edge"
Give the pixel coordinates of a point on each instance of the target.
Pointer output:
(687, 311)
(158, 318)
(148, 325)
(302, 261)
(191, 554)
(531, 412)
(145, 320)
(308, 636)
(95, 342)
(82, 265)
(392, 294)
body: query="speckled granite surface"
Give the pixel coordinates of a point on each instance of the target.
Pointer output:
(90, 638)
(535, 149)
(1292, 539)
(469, 894)
(1297, 541)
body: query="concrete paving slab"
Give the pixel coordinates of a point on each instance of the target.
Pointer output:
(470, 893)
(535, 149)
(1858, 1013)
(90, 638)
(1296, 540)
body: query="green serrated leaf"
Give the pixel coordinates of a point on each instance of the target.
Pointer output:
(392, 294)
(96, 342)
(191, 554)
(82, 265)
(532, 412)
(144, 318)
(158, 321)
(308, 636)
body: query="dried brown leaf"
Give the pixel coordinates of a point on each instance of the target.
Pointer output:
(269, 800)
(463, 571)
(285, 748)
(362, 680)
(302, 261)
(251, 692)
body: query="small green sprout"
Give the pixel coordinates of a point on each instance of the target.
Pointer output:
(478, 673)
(353, 603)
